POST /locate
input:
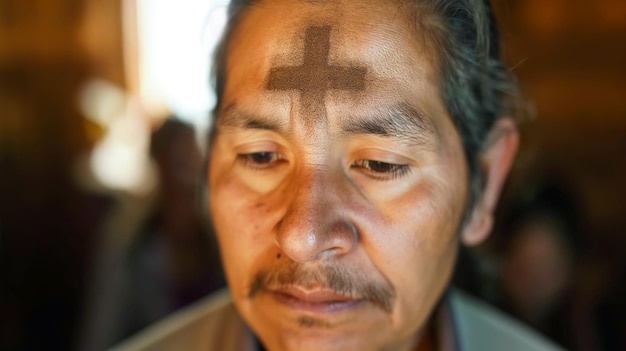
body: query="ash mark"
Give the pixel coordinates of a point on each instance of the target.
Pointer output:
(315, 76)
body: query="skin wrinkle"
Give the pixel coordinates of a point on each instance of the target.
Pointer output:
(400, 121)
(234, 117)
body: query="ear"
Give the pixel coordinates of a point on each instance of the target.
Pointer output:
(495, 160)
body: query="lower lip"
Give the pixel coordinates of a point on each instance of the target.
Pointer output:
(318, 307)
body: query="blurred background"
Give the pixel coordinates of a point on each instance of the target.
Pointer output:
(103, 110)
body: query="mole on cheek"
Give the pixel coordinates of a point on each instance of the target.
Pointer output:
(316, 76)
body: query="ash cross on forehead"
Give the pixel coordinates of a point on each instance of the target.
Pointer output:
(315, 76)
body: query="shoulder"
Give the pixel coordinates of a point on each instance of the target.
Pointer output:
(481, 327)
(209, 324)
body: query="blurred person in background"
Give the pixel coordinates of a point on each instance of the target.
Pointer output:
(540, 247)
(167, 257)
(173, 260)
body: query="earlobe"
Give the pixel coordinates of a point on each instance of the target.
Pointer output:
(496, 160)
(478, 227)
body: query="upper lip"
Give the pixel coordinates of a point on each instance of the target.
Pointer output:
(313, 295)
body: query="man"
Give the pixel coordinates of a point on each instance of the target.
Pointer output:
(355, 144)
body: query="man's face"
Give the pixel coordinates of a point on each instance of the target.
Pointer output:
(337, 179)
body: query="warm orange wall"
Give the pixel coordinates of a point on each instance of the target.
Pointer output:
(570, 57)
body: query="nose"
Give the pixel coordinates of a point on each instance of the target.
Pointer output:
(316, 224)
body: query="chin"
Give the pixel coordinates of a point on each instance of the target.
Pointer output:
(316, 340)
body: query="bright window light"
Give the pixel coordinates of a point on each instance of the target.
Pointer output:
(176, 41)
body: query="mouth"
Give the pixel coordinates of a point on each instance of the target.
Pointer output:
(316, 301)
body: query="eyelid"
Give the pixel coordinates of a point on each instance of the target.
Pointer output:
(258, 146)
(260, 155)
(270, 159)
(366, 160)
(382, 155)
(395, 170)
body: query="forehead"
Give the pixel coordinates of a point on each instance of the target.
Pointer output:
(376, 35)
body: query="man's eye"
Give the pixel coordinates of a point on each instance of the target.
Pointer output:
(260, 160)
(381, 170)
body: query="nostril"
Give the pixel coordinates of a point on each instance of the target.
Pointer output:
(340, 239)
(354, 232)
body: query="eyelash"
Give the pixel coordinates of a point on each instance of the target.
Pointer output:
(256, 160)
(266, 159)
(391, 172)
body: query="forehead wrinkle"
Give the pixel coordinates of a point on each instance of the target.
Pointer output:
(399, 121)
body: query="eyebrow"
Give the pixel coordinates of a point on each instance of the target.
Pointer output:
(231, 116)
(399, 121)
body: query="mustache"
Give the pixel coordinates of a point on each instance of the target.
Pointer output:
(334, 277)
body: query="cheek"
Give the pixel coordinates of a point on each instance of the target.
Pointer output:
(240, 218)
(425, 216)
(235, 207)
(425, 225)
(414, 243)
(415, 251)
